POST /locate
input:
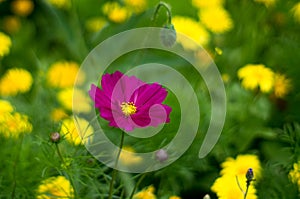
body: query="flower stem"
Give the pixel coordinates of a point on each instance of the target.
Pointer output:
(115, 171)
(247, 187)
(136, 185)
(167, 7)
(59, 154)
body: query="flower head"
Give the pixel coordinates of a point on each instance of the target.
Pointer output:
(95, 24)
(76, 130)
(256, 76)
(14, 81)
(216, 19)
(234, 175)
(55, 187)
(63, 74)
(22, 7)
(137, 6)
(192, 29)
(294, 174)
(5, 107)
(115, 12)
(207, 4)
(147, 193)
(128, 156)
(5, 44)
(296, 12)
(128, 103)
(282, 85)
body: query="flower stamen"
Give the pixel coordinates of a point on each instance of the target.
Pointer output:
(128, 108)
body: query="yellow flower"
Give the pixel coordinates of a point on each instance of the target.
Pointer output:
(296, 12)
(95, 24)
(206, 4)
(115, 12)
(216, 19)
(294, 174)
(225, 77)
(63, 74)
(58, 114)
(190, 28)
(240, 165)
(22, 8)
(174, 197)
(147, 193)
(282, 85)
(233, 175)
(5, 42)
(14, 124)
(11, 24)
(74, 99)
(255, 76)
(127, 156)
(14, 81)
(55, 187)
(62, 4)
(137, 6)
(267, 3)
(76, 130)
(226, 187)
(5, 107)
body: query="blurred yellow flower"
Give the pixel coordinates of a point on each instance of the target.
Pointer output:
(76, 130)
(58, 114)
(294, 174)
(267, 3)
(55, 187)
(240, 165)
(226, 187)
(5, 42)
(127, 156)
(225, 77)
(296, 12)
(62, 4)
(74, 99)
(95, 24)
(11, 24)
(190, 28)
(147, 193)
(137, 6)
(115, 12)
(22, 8)
(63, 74)
(216, 19)
(206, 4)
(282, 85)
(233, 175)
(255, 76)
(14, 124)
(5, 107)
(14, 81)
(174, 197)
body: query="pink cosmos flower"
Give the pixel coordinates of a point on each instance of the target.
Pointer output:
(129, 103)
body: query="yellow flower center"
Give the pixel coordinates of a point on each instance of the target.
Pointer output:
(128, 108)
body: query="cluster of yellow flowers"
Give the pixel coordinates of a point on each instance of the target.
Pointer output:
(12, 124)
(294, 174)
(15, 81)
(233, 177)
(213, 15)
(118, 13)
(258, 76)
(55, 187)
(5, 44)
(148, 193)
(66, 76)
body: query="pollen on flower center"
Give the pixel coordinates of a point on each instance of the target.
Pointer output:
(128, 108)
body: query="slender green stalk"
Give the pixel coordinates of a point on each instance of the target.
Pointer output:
(247, 187)
(137, 185)
(115, 171)
(59, 154)
(167, 7)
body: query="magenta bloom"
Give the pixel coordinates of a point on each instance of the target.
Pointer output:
(129, 103)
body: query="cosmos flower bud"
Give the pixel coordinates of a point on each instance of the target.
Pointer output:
(161, 155)
(55, 137)
(250, 175)
(168, 35)
(206, 196)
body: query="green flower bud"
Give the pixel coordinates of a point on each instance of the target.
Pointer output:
(168, 35)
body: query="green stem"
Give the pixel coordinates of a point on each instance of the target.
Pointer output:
(59, 154)
(136, 185)
(167, 7)
(115, 171)
(246, 192)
